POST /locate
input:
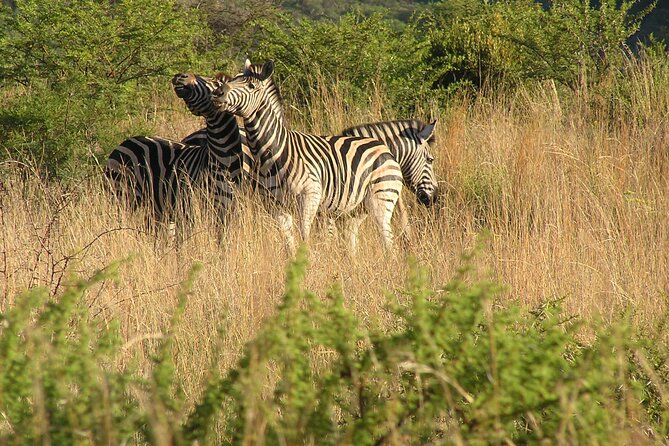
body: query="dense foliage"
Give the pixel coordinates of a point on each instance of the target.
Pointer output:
(72, 70)
(400, 10)
(362, 56)
(454, 366)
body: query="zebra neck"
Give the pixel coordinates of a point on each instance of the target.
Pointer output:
(267, 134)
(223, 134)
(403, 161)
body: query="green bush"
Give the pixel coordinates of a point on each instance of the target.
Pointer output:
(573, 42)
(59, 381)
(453, 370)
(72, 69)
(455, 367)
(454, 45)
(361, 55)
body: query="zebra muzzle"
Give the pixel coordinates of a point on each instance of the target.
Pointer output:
(426, 199)
(181, 92)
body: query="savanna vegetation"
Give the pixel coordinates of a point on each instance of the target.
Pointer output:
(529, 305)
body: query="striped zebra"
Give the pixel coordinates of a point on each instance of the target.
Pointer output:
(334, 174)
(137, 170)
(197, 138)
(216, 156)
(196, 91)
(409, 141)
(157, 171)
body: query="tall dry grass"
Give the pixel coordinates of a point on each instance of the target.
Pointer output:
(573, 197)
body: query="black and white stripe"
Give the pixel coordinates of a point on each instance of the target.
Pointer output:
(233, 157)
(334, 174)
(217, 160)
(160, 172)
(409, 141)
(137, 170)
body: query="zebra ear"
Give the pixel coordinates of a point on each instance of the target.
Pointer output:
(267, 70)
(247, 67)
(427, 133)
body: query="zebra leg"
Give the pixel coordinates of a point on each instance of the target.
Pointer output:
(353, 227)
(309, 202)
(381, 205)
(286, 226)
(405, 229)
(332, 228)
(172, 234)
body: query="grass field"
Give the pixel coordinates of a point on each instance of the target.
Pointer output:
(570, 199)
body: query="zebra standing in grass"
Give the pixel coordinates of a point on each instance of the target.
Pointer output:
(137, 170)
(219, 158)
(336, 174)
(160, 171)
(409, 141)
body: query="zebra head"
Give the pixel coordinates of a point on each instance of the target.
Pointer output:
(244, 94)
(409, 142)
(419, 171)
(196, 92)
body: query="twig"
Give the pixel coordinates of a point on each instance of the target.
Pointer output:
(140, 338)
(3, 254)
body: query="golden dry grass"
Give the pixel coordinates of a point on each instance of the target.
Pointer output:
(574, 201)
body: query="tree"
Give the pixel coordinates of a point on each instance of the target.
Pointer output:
(72, 64)
(571, 41)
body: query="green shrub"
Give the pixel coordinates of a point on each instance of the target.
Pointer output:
(59, 382)
(72, 69)
(454, 367)
(573, 42)
(361, 55)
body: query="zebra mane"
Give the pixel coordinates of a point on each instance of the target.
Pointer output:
(410, 127)
(223, 77)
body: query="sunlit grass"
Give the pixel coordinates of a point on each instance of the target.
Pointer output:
(572, 200)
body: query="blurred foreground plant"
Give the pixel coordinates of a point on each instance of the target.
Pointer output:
(453, 367)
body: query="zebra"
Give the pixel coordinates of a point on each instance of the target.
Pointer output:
(137, 169)
(216, 155)
(156, 170)
(197, 138)
(409, 141)
(196, 92)
(336, 174)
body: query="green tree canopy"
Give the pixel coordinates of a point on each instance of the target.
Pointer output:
(72, 64)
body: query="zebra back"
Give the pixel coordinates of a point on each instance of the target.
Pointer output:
(137, 170)
(197, 138)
